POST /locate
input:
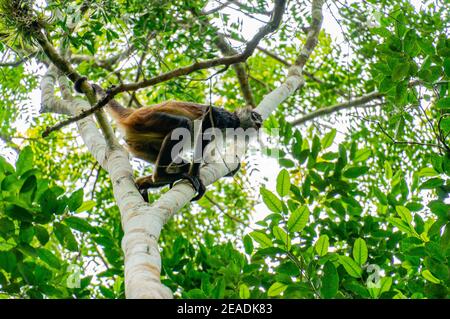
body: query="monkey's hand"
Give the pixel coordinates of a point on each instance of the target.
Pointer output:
(197, 184)
(142, 186)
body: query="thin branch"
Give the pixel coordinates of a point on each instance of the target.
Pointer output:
(97, 176)
(355, 103)
(216, 9)
(8, 141)
(407, 142)
(139, 73)
(242, 9)
(279, 59)
(90, 174)
(18, 62)
(224, 212)
(358, 102)
(106, 64)
(67, 69)
(261, 82)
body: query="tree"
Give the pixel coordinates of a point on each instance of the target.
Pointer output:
(359, 208)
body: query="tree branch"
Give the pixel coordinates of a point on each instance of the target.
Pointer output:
(106, 64)
(355, 103)
(8, 141)
(216, 9)
(358, 102)
(18, 62)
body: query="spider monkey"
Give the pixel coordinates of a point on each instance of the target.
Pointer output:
(147, 133)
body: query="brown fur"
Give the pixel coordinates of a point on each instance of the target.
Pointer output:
(144, 131)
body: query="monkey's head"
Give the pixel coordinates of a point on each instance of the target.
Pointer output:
(249, 118)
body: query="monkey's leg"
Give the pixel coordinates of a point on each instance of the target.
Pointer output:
(162, 176)
(202, 139)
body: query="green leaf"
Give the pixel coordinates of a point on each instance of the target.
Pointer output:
(328, 139)
(283, 183)
(7, 227)
(322, 245)
(428, 172)
(271, 200)
(41, 234)
(108, 293)
(8, 261)
(219, 290)
(400, 71)
(380, 196)
(248, 244)
(5, 166)
(18, 213)
(330, 281)
(75, 200)
(29, 185)
(403, 226)
(387, 170)
(88, 205)
(285, 162)
(24, 161)
(429, 276)
(298, 219)
(276, 289)
(65, 237)
(262, 239)
(356, 171)
(362, 155)
(244, 292)
(79, 224)
(352, 268)
(26, 233)
(432, 183)
(196, 294)
(386, 283)
(447, 66)
(27, 250)
(440, 209)
(49, 258)
(383, 285)
(443, 103)
(360, 252)
(281, 235)
(48, 202)
(10, 183)
(404, 214)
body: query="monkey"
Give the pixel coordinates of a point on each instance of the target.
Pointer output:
(147, 134)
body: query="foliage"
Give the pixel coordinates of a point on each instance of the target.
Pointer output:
(359, 207)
